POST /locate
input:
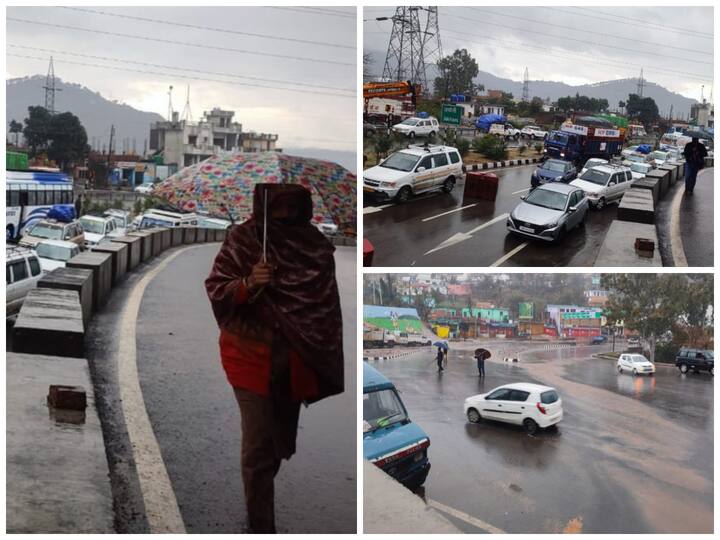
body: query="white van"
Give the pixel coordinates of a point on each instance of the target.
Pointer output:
(164, 218)
(417, 127)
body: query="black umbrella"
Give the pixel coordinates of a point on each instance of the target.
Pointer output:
(486, 354)
(698, 135)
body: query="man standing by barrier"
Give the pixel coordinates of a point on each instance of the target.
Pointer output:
(695, 153)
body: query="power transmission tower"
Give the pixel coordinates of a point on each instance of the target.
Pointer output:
(170, 107)
(50, 88)
(187, 113)
(404, 58)
(526, 87)
(640, 84)
(432, 46)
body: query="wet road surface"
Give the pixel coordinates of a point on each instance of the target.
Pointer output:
(473, 232)
(696, 220)
(197, 422)
(632, 455)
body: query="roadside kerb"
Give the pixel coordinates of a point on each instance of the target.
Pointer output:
(500, 164)
(72, 279)
(637, 206)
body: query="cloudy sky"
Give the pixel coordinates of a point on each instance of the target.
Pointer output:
(308, 89)
(575, 45)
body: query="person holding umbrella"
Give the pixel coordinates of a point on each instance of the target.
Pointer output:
(273, 293)
(694, 153)
(481, 355)
(439, 358)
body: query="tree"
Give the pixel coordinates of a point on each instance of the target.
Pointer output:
(643, 109)
(459, 69)
(68, 139)
(37, 128)
(621, 104)
(582, 103)
(16, 128)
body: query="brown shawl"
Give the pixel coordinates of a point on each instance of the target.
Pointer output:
(302, 298)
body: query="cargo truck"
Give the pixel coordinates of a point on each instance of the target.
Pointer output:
(583, 139)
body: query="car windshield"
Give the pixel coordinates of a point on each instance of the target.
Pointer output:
(594, 162)
(558, 137)
(637, 158)
(57, 253)
(120, 222)
(93, 226)
(382, 409)
(638, 359)
(555, 166)
(547, 199)
(400, 161)
(710, 355)
(51, 232)
(640, 168)
(595, 176)
(410, 122)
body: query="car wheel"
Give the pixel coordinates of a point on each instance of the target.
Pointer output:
(404, 194)
(600, 204)
(411, 135)
(431, 134)
(634, 371)
(684, 368)
(473, 416)
(711, 371)
(530, 426)
(619, 369)
(448, 185)
(516, 137)
(561, 234)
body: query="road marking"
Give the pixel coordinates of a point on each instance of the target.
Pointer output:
(161, 507)
(450, 212)
(373, 209)
(509, 254)
(521, 191)
(467, 518)
(461, 237)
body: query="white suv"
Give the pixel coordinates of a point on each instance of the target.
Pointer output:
(532, 406)
(604, 183)
(22, 272)
(414, 170)
(635, 363)
(533, 132)
(414, 126)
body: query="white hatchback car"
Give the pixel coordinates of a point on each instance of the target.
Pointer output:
(417, 127)
(532, 406)
(635, 363)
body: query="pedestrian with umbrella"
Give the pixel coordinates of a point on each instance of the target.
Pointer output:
(481, 355)
(441, 356)
(273, 293)
(694, 153)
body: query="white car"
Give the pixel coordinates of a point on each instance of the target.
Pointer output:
(659, 157)
(640, 170)
(629, 150)
(414, 170)
(144, 188)
(593, 162)
(506, 131)
(604, 183)
(635, 363)
(532, 406)
(328, 227)
(533, 132)
(99, 229)
(417, 127)
(55, 253)
(22, 272)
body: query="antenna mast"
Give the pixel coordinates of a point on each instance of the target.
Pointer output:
(187, 113)
(50, 88)
(170, 108)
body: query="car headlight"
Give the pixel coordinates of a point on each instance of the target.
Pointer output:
(387, 184)
(551, 225)
(544, 150)
(562, 154)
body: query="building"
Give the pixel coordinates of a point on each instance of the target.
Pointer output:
(703, 114)
(186, 143)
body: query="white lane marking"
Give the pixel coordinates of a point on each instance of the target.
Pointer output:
(373, 209)
(521, 191)
(461, 237)
(509, 254)
(450, 212)
(161, 507)
(467, 518)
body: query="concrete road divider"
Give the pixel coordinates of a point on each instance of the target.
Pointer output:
(50, 322)
(146, 248)
(681, 171)
(201, 235)
(709, 161)
(637, 205)
(673, 170)
(79, 280)
(101, 266)
(618, 248)
(119, 253)
(134, 245)
(189, 235)
(176, 236)
(651, 184)
(165, 238)
(156, 241)
(664, 177)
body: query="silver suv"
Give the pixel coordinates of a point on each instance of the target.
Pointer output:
(604, 183)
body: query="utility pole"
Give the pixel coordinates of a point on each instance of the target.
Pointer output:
(50, 88)
(526, 87)
(110, 145)
(641, 84)
(170, 107)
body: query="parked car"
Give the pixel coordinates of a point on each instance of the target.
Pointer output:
(604, 183)
(640, 170)
(55, 253)
(391, 440)
(51, 229)
(549, 212)
(675, 155)
(633, 341)
(695, 360)
(369, 129)
(505, 131)
(659, 157)
(599, 340)
(635, 363)
(145, 189)
(417, 127)
(327, 227)
(593, 162)
(532, 406)
(213, 223)
(165, 218)
(553, 170)
(99, 229)
(414, 170)
(120, 217)
(533, 132)
(629, 150)
(22, 272)
(639, 158)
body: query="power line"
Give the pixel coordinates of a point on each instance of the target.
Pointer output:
(564, 27)
(117, 68)
(210, 28)
(165, 66)
(315, 11)
(187, 44)
(535, 32)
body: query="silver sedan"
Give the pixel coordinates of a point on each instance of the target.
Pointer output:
(549, 211)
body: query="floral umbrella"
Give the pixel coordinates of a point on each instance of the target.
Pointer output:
(223, 185)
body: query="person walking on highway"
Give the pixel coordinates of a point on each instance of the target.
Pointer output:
(695, 153)
(278, 310)
(440, 357)
(481, 355)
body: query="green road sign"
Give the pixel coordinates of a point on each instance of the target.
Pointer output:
(451, 114)
(583, 315)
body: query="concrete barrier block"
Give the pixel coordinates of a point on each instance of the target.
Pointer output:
(79, 280)
(177, 236)
(189, 235)
(101, 266)
(637, 205)
(664, 177)
(134, 246)
(156, 241)
(618, 248)
(119, 253)
(146, 246)
(652, 184)
(50, 322)
(709, 161)
(165, 238)
(201, 235)
(672, 171)
(681, 171)
(220, 235)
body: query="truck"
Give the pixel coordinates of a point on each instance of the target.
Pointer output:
(396, 100)
(378, 338)
(582, 139)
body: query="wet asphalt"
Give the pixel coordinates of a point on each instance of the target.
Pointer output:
(632, 455)
(402, 235)
(696, 220)
(196, 419)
